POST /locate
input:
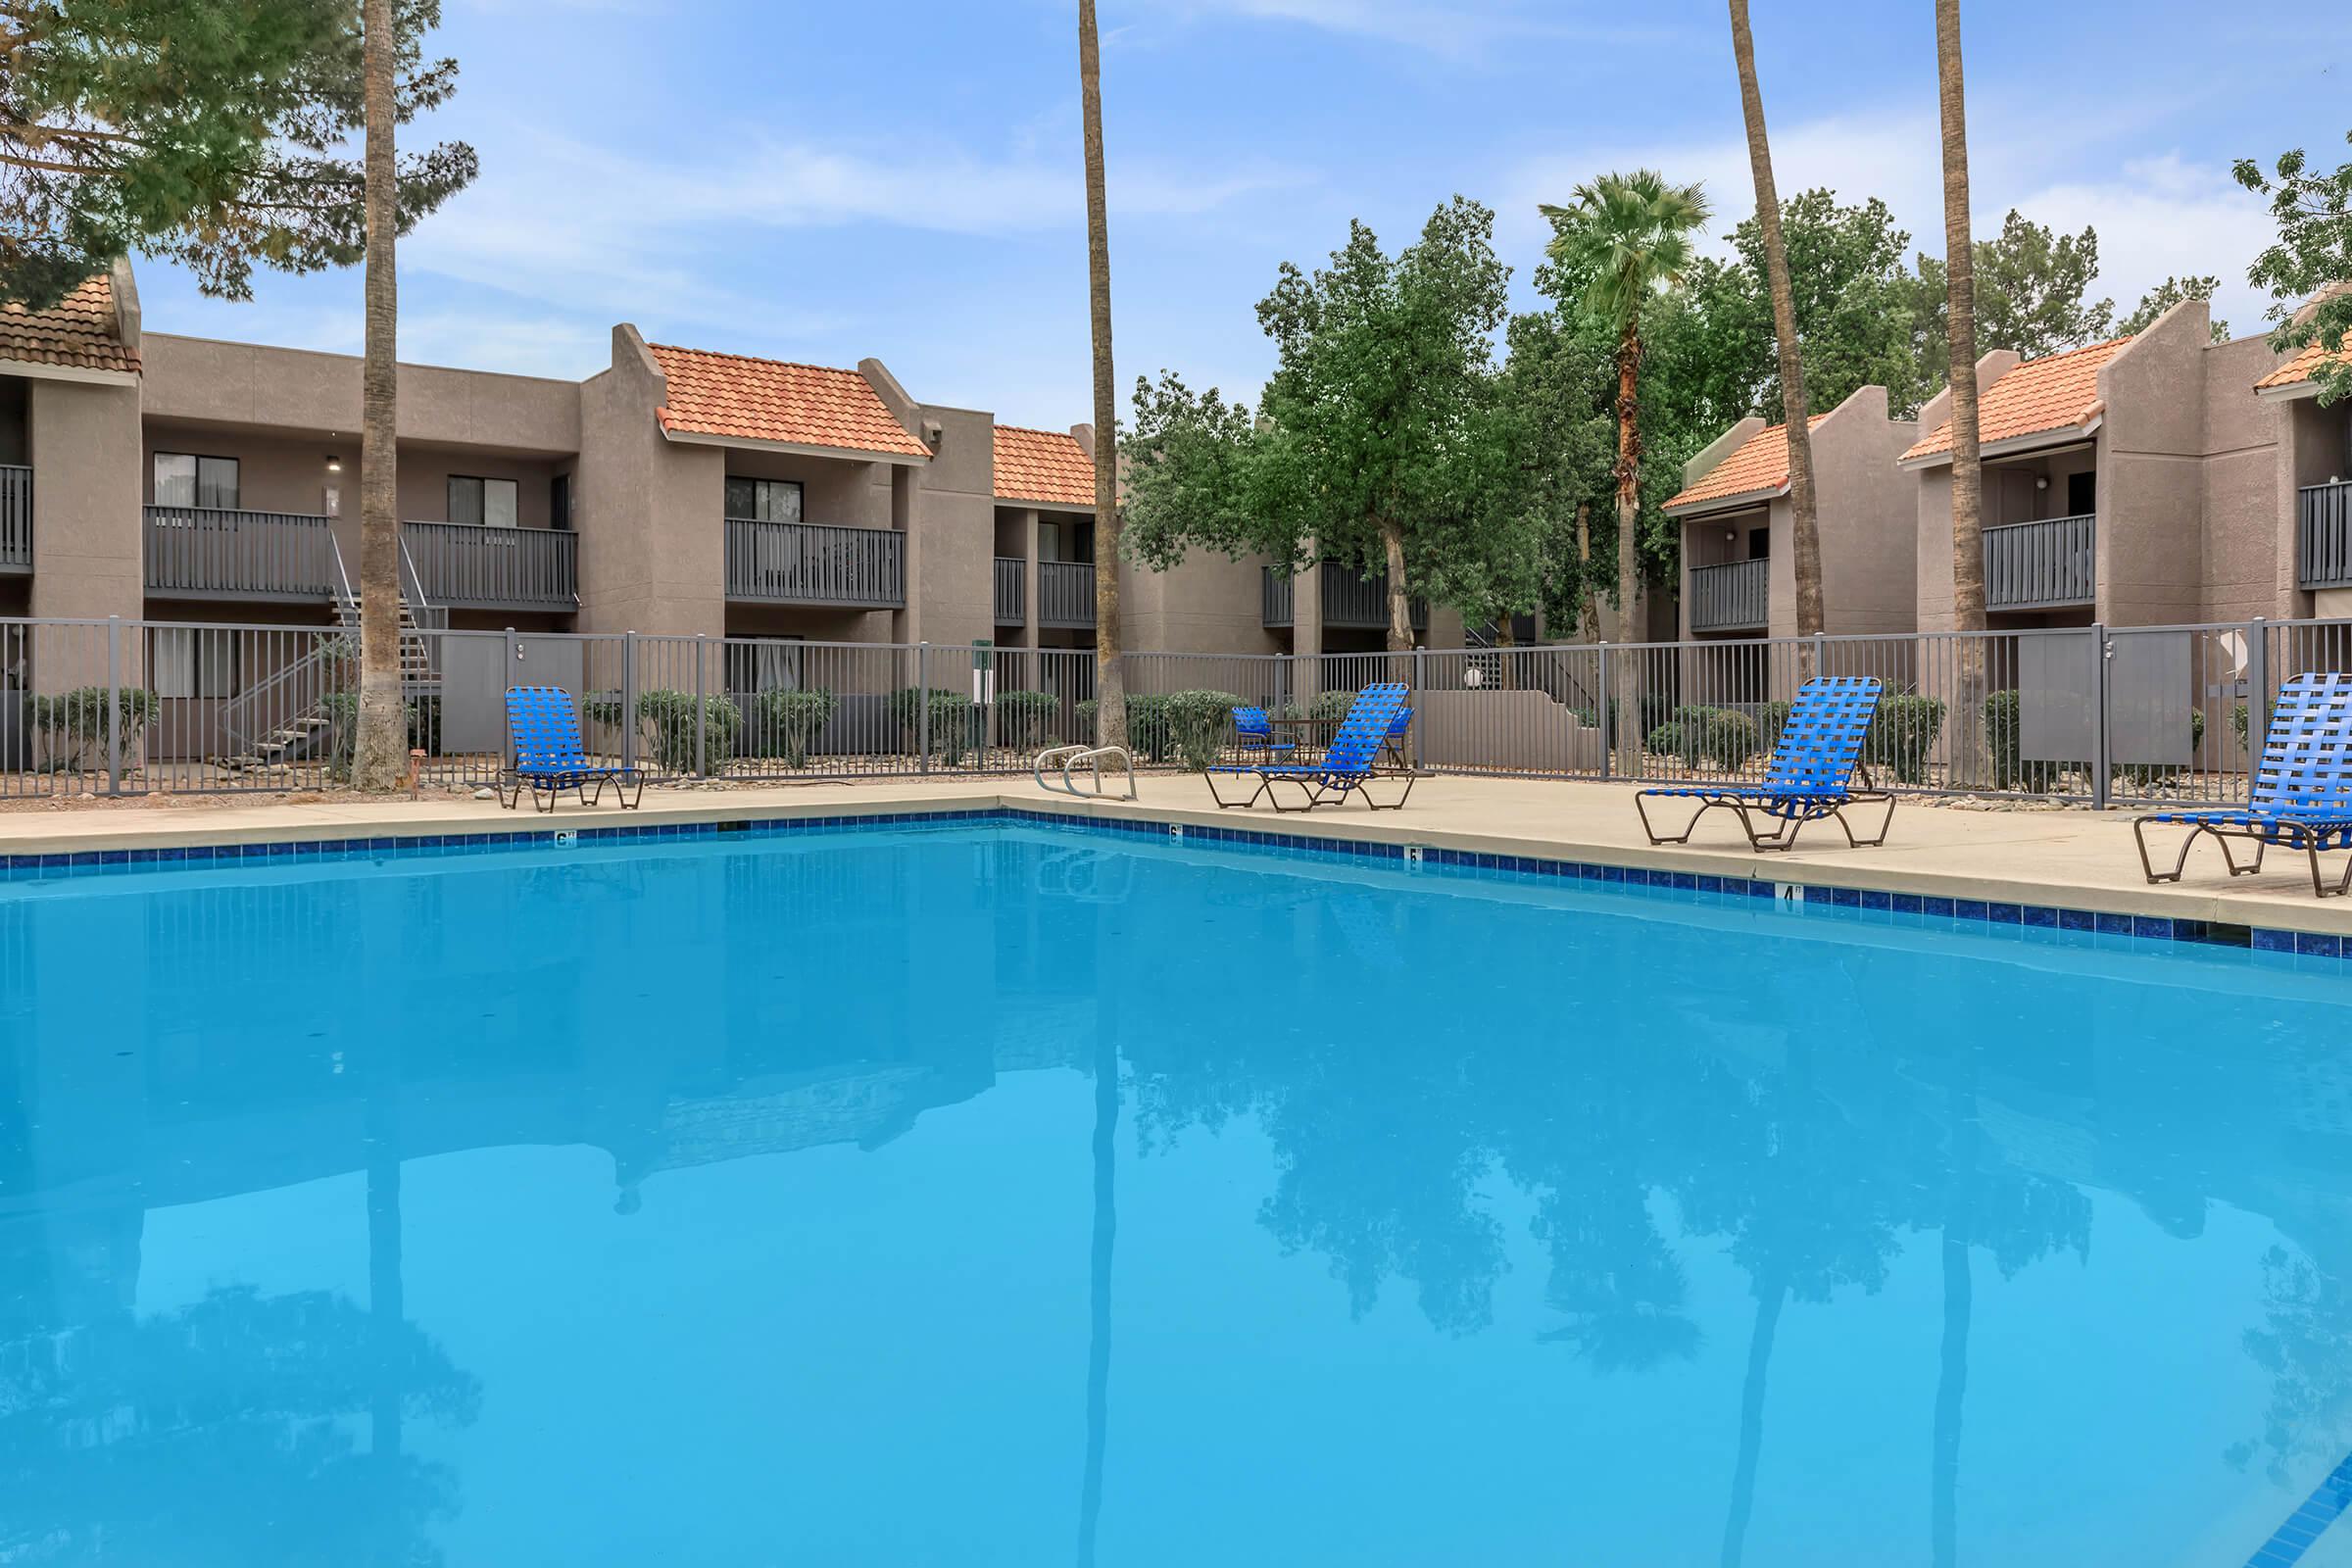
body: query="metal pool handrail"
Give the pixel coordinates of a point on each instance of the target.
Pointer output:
(1069, 757)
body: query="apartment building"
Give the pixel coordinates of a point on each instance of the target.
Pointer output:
(1739, 546)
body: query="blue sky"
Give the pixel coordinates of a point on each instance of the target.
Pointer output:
(823, 182)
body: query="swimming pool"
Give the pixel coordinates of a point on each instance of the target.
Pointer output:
(1006, 1194)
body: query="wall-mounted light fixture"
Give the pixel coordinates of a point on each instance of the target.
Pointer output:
(2041, 481)
(334, 465)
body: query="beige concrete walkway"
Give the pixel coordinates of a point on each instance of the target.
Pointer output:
(2076, 859)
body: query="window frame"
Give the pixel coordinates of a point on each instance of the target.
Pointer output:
(197, 462)
(799, 490)
(213, 680)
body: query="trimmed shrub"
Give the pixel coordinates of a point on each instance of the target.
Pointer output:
(1331, 706)
(2237, 722)
(665, 727)
(787, 723)
(1771, 720)
(2146, 775)
(68, 729)
(1902, 734)
(1667, 741)
(951, 716)
(1025, 718)
(1188, 728)
(1723, 736)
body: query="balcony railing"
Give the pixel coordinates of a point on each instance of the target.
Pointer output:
(213, 552)
(1350, 600)
(1734, 596)
(16, 518)
(1013, 573)
(2323, 535)
(815, 564)
(1065, 592)
(2041, 565)
(469, 567)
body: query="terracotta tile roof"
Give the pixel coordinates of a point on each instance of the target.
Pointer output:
(2303, 367)
(1043, 466)
(1759, 463)
(2056, 392)
(769, 400)
(79, 330)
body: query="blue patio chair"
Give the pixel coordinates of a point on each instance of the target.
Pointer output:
(1349, 764)
(1810, 777)
(542, 737)
(2302, 800)
(1393, 744)
(1254, 731)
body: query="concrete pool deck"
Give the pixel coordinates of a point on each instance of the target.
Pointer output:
(2073, 859)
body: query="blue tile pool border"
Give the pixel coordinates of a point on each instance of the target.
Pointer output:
(2062, 921)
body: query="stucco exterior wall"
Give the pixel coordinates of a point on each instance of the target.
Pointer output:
(2248, 566)
(652, 550)
(88, 549)
(2150, 538)
(952, 529)
(1932, 497)
(1206, 604)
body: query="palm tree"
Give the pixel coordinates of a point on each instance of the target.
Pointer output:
(1805, 522)
(1968, 475)
(1110, 677)
(1630, 234)
(383, 730)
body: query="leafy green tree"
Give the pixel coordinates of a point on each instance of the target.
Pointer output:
(2163, 297)
(1375, 444)
(2031, 288)
(1557, 435)
(211, 132)
(2310, 262)
(1855, 298)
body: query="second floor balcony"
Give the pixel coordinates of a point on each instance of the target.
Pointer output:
(1732, 596)
(2048, 564)
(215, 553)
(1351, 600)
(2323, 535)
(815, 564)
(16, 519)
(1065, 592)
(462, 566)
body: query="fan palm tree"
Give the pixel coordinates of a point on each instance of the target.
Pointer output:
(1632, 235)
(1803, 518)
(380, 746)
(1110, 678)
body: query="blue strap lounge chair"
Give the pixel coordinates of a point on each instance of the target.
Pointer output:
(1349, 765)
(542, 737)
(2302, 800)
(1811, 774)
(1254, 731)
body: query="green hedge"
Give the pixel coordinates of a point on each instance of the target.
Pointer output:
(1902, 735)
(1025, 718)
(952, 717)
(787, 723)
(1722, 736)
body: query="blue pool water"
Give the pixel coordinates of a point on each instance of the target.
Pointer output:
(1006, 1196)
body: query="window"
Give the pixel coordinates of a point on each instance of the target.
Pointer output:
(480, 502)
(559, 500)
(763, 500)
(2083, 493)
(184, 479)
(763, 666)
(191, 662)
(1759, 543)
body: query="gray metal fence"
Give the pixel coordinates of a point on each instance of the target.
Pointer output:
(2091, 715)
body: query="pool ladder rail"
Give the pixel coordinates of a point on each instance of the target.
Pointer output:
(1066, 758)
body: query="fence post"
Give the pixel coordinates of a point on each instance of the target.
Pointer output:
(922, 705)
(2258, 694)
(1603, 719)
(628, 698)
(114, 705)
(702, 755)
(2101, 748)
(1820, 656)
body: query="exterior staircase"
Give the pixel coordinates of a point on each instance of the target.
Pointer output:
(292, 716)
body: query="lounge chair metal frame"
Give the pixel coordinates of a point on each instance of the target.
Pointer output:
(2301, 799)
(1810, 777)
(542, 737)
(1348, 768)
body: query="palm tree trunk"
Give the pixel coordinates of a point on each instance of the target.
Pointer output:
(383, 731)
(1806, 522)
(1629, 549)
(1110, 675)
(1772, 1294)
(1968, 475)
